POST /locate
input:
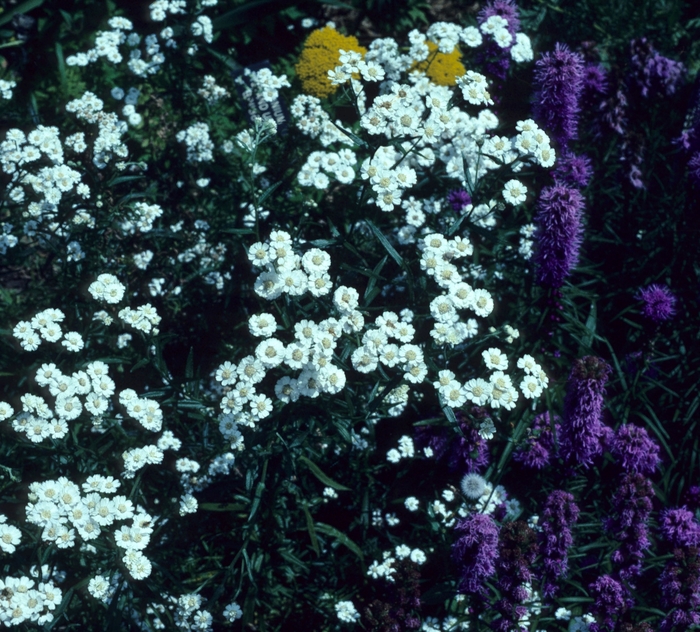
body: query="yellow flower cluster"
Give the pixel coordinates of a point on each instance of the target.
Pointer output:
(319, 55)
(441, 68)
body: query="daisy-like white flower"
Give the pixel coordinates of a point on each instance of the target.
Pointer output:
(514, 192)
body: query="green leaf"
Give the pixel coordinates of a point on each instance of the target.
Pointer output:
(318, 473)
(25, 7)
(267, 192)
(341, 537)
(189, 368)
(222, 506)
(385, 242)
(311, 529)
(240, 15)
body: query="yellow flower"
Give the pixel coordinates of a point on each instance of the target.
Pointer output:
(319, 55)
(441, 68)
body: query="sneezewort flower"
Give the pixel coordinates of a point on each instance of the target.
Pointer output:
(558, 234)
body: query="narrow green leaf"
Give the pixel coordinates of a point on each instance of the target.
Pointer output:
(222, 506)
(385, 242)
(341, 537)
(319, 474)
(25, 7)
(268, 192)
(61, 63)
(189, 368)
(311, 529)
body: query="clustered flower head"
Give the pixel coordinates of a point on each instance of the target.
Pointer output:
(634, 450)
(559, 516)
(539, 446)
(559, 83)
(559, 233)
(475, 551)
(582, 429)
(632, 505)
(659, 303)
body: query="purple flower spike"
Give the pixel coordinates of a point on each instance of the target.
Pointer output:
(476, 552)
(634, 450)
(654, 72)
(679, 527)
(611, 600)
(680, 591)
(582, 430)
(628, 525)
(559, 233)
(537, 450)
(559, 82)
(659, 302)
(559, 515)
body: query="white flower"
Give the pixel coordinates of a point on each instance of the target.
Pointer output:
(232, 612)
(347, 612)
(495, 359)
(411, 503)
(514, 192)
(530, 387)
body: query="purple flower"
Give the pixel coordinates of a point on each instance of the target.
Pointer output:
(572, 170)
(679, 527)
(507, 9)
(659, 302)
(559, 82)
(559, 233)
(595, 82)
(475, 552)
(559, 515)
(459, 199)
(628, 524)
(538, 447)
(694, 168)
(654, 72)
(634, 450)
(462, 448)
(582, 431)
(611, 600)
(516, 554)
(679, 585)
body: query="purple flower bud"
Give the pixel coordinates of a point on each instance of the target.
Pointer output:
(559, 515)
(679, 527)
(475, 552)
(559, 233)
(572, 170)
(582, 430)
(559, 82)
(538, 447)
(634, 450)
(659, 302)
(694, 168)
(459, 199)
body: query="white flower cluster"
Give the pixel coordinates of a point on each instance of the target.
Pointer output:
(6, 88)
(474, 88)
(312, 120)
(202, 27)
(142, 218)
(62, 511)
(207, 256)
(21, 601)
(406, 450)
(160, 8)
(525, 249)
(107, 288)
(337, 164)
(264, 83)
(146, 411)
(7, 239)
(199, 145)
(347, 613)
(110, 128)
(107, 45)
(46, 326)
(386, 569)
(50, 182)
(449, 624)
(37, 419)
(210, 91)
